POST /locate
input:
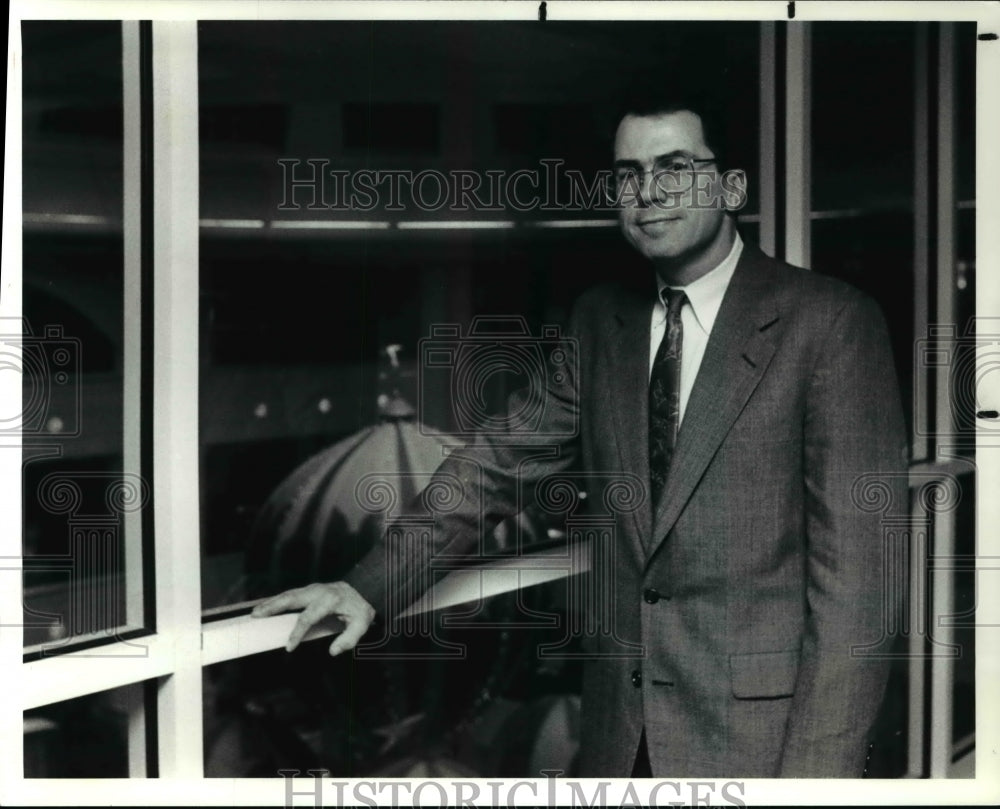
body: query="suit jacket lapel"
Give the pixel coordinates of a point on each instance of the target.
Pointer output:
(625, 396)
(736, 357)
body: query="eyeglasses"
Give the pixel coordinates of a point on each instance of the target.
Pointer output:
(670, 174)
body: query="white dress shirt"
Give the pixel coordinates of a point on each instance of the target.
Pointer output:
(704, 297)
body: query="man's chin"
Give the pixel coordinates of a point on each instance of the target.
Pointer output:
(659, 250)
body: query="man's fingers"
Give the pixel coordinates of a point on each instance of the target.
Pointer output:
(277, 604)
(355, 628)
(266, 608)
(310, 616)
(318, 602)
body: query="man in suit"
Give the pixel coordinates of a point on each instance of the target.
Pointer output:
(755, 398)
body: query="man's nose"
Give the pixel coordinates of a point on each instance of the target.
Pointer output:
(654, 188)
(647, 191)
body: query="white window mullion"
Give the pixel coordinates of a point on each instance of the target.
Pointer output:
(943, 668)
(798, 151)
(917, 681)
(988, 398)
(768, 139)
(11, 584)
(100, 668)
(131, 314)
(920, 549)
(135, 583)
(135, 697)
(945, 213)
(921, 243)
(175, 391)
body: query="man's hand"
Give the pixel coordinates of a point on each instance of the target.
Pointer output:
(319, 601)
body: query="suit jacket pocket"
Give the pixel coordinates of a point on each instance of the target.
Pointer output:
(764, 674)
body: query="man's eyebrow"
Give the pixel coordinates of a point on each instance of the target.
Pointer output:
(628, 163)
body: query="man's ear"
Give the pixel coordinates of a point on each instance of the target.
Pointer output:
(733, 186)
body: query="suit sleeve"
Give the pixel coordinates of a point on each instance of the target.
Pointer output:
(479, 484)
(853, 433)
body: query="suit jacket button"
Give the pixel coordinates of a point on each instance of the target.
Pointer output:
(651, 595)
(637, 678)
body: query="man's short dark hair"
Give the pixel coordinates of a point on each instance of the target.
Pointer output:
(715, 122)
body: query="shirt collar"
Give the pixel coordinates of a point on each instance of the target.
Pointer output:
(705, 294)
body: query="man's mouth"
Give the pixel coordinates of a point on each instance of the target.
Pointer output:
(656, 223)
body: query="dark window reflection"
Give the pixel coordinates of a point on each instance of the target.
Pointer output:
(862, 115)
(86, 737)
(500, 710)
(293, 324)
(72, 305)
(965, 111)
(965, 580)
(874, 252)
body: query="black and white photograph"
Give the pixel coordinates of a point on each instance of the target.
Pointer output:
(439, 404)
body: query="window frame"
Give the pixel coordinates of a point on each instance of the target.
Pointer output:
(180, 643)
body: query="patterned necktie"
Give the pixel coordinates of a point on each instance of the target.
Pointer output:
(665, 395)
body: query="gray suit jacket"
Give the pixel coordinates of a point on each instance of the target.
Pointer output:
(735, 607)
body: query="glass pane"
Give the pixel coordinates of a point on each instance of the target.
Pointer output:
(965, 108)
(965, 187)
(963, 397)
(862, 116)
(966, 544)
(300, 291)
(498, 711)
(76, 496)
(299, 295)
(862, 169)
(874, 252)
(86, 737)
